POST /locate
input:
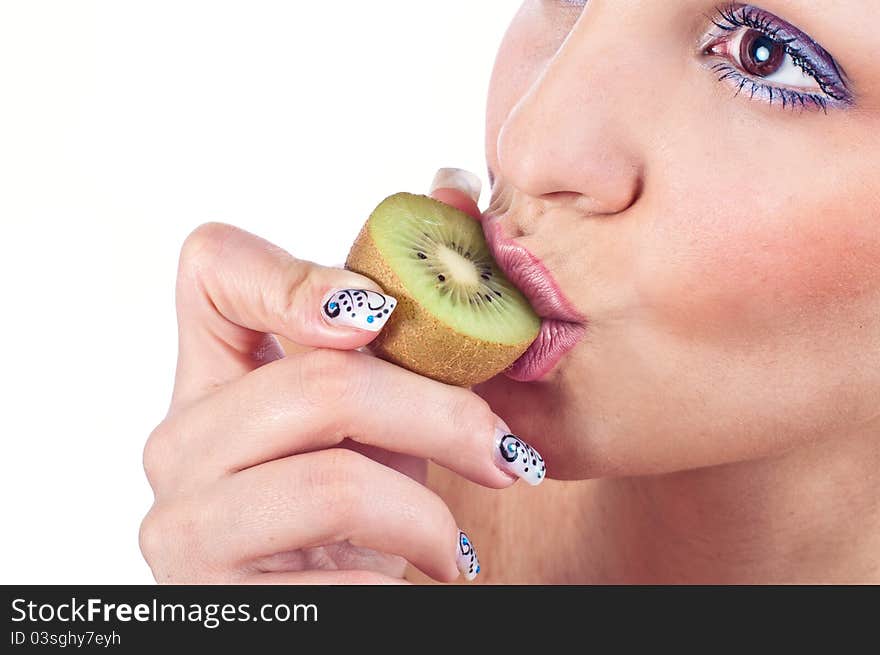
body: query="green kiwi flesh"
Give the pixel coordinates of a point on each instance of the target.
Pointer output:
(459, 319)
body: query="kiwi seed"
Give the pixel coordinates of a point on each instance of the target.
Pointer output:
(459, 319)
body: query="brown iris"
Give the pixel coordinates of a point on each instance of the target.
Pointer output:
(759, 54)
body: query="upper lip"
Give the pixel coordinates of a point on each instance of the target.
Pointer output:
(528, 274)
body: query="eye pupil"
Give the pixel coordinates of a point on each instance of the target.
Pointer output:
(760, 55)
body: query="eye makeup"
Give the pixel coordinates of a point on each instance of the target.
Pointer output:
(772, 60)
(766, 58)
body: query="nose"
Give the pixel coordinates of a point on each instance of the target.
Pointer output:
(569, 133)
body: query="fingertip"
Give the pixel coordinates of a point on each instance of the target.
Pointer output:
(458, 178)
(467, 562)
(453, 574)
(503, 480)
(459, 200)
(357, 311)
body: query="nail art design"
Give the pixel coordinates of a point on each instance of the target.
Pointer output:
(466, 557)
(518, 458)
(358, 308)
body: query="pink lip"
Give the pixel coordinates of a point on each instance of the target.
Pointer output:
(561, 326)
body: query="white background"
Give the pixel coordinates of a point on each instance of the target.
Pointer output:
(125, 124)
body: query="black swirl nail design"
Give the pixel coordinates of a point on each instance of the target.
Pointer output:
(358, 308)
(466, 557)
(516, 457)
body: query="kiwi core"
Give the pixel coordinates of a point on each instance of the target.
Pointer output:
(440, 256)
(459, 320)
(462, 270)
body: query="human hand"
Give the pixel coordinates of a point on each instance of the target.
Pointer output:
(307, 468)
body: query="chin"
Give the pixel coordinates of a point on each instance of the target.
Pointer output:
(584, 435)
(547, 414)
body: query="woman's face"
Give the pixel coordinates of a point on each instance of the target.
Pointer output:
(721, 238)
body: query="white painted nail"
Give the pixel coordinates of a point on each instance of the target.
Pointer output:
(515, 457)
(466, 557)
(357, 308)
(460, 179)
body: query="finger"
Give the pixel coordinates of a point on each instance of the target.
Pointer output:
(316, 400)
(317, 499)
(323, 578)
(458, 188)
(234, 289)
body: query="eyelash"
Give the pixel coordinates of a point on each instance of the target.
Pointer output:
(789, 97)
(734, 17)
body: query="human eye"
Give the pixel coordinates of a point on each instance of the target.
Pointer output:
(772, 60)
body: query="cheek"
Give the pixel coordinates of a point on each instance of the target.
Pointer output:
(791, 249)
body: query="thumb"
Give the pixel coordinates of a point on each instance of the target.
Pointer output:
(458, 188)
(235, 290)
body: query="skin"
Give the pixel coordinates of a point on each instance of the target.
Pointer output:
(718, 423)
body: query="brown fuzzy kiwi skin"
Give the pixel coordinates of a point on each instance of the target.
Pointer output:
(416, 340)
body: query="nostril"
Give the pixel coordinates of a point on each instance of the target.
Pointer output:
(610, 204)
(573, 147)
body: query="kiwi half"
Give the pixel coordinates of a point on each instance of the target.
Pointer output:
(458, 319)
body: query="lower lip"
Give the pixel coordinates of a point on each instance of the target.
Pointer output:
(554, 340)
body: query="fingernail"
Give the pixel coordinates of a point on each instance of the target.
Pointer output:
(466, 557)
(460, 179)
(515, 457)
(357, 308)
